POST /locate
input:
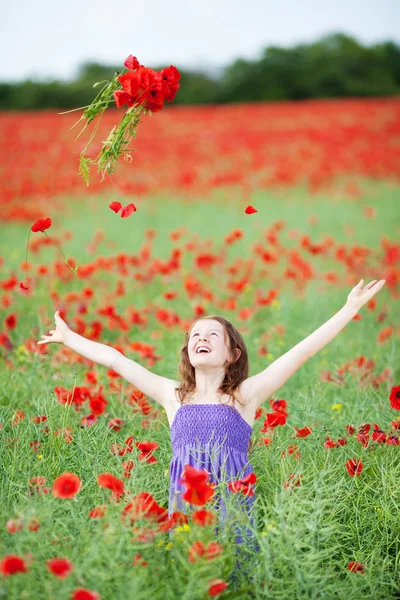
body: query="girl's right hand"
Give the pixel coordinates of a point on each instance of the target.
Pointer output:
(57, 334)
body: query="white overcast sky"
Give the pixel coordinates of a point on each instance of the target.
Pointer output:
(49, 38)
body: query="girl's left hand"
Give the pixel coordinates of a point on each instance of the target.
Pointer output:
(362, 293)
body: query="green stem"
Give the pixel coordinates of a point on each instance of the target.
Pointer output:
(26, 259)
(66, 259)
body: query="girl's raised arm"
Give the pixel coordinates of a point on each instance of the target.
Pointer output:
(260, 387)
(152, 385)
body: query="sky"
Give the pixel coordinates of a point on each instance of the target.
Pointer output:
(51, 39)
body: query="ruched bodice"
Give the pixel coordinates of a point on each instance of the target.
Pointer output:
(203, 423)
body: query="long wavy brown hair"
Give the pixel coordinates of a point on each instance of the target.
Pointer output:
(236, 371)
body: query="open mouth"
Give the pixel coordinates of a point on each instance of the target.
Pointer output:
(203, 350)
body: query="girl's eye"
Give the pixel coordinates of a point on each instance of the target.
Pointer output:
(214, 332)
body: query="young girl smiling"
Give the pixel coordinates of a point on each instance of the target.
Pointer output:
(211, 411)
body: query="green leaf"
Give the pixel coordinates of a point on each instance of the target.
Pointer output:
(100, 82)
(84, 168)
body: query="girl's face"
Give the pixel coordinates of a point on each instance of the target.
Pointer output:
(211, 335)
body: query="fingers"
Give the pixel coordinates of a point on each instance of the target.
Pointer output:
(379, 283)
(371, 284)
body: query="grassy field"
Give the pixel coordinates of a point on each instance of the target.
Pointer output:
(308, 534)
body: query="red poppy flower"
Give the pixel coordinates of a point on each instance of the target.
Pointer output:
(98, 512)
(355, 566)
(66, 485)
(216, 586)
(146, 450)
(329, 443)
(243, 485)
(83, 594)
(354, 467)
(302, 433)
(107, 480)
(11, 564)
(203, 517)
(59, 566)
(279, 406)
(198, 490)
(196, 551)
(131, 63)
(121, 98)
(143, 506)
(378, 435)
(274, 420)
(14, 525)
(41, 225)
(126, 211)
(395, 398)
(170, 86)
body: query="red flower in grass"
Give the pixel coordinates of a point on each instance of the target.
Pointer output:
(14, 525)
(355, 567)
(11, 321)
(216, 586)
(279, 406)
(243, 485)
(394, 398)
(61, 567)
(354, 467)
(273, 420)
(177, 518)
(83, 594)
(198, 550)
(144, 506)
(203, 517)
(291, 483)
(12, 564)
(198, 490)
(329, 443)
(98, 512)
(66, 486)
(302, 433)
(146, 449)
(107, 480)
(97, 405)
(378, 434)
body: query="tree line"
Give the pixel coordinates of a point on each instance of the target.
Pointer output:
(333, 67)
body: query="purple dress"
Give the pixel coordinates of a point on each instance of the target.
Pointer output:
(214, 437)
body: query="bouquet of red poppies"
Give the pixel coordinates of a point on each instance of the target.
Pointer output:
(140, 89)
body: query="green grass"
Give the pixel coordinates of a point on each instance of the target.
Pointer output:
(308, 535)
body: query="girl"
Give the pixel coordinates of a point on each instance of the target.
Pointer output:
(211, 411)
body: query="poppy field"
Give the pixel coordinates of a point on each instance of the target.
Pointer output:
(266, 214)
